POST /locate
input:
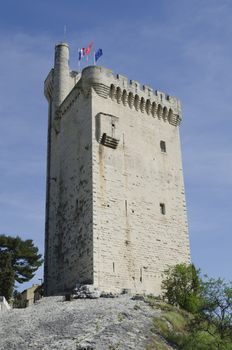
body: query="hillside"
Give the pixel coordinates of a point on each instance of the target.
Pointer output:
(102, 324)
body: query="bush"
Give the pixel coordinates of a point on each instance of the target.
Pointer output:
(182, 287)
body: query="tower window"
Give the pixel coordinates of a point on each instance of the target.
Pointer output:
(126, 206)
(162, 208)
(163, 146)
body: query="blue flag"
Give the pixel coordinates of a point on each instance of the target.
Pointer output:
(98, 54)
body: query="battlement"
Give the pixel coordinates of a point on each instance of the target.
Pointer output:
(61, 82)
(98, 74)
(132, 94)
(121, 90)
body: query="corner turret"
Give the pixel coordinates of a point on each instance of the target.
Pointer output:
(61, 78)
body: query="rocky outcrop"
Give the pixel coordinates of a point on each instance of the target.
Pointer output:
(86, 291)
(101, 324)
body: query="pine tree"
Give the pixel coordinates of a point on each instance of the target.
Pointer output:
(19, 260)
(7, 275)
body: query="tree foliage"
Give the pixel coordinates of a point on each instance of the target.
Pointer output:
(210, 302)
(20, 259)
(6, 275)
(215, 315)
(182, 287)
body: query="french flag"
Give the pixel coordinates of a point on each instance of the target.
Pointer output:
(81, 53)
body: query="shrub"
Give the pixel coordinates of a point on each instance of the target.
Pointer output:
(182, 287)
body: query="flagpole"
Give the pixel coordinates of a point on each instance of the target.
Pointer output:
(65, 31)
(94, 61)
(79, 61)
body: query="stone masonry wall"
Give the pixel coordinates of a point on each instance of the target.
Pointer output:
(133, 241)
(70, 253)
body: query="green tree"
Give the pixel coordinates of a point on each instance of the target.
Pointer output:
(209, 301)
(20, 258)
(215, 315)
(6, 275)
(182, 287)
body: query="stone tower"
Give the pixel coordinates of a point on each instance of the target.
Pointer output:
(115, 209)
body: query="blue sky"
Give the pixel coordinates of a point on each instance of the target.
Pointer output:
(181, 47)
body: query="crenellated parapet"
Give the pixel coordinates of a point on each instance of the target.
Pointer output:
(131, 94)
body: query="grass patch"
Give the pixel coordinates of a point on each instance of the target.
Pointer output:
(173, 328)
(172, 325)
(157, 344)
(157, 303)
(161, 326)
(151, 300)
(177, 320)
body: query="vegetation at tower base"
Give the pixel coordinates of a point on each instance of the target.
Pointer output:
(208, 326)
(182, 287)
(215, 314)
(19, 260)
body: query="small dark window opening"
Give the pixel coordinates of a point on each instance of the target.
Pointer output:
(162, 208)
(113, 267)
(126, 206)
(163, 146)
(113, 129)
(141, 275)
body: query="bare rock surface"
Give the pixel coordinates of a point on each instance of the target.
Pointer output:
(81, 324)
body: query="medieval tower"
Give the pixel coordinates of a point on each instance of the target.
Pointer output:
(115, 208)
